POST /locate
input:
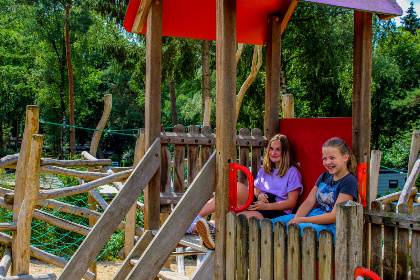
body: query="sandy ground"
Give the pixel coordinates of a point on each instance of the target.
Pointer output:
(106, 270)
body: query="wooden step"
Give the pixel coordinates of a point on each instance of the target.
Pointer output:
(167, 274)
(190, 240)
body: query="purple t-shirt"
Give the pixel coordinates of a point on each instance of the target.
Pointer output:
(279, 186)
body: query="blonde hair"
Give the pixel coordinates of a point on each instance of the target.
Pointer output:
(286, 156)
(344, 149)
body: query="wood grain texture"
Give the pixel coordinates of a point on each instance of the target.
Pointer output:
(267, 253)
(254, 248)
(244, 157)
(8, 160)
(255, 154)
(206, 269)
(179, 167)
(403, 246)
(375, 165)
(205, 149)
(326, 255)
(8, 226)
(415, 247)
(141, 16)
(376, 243)
(309, 254)
(414, 150)
(288, 105)
(389, 246)
(50, 276)
(112, 216)
(5, 262)
(231, 225)
(280, 251)
(192, 156)
(242, 234)
(294, 256)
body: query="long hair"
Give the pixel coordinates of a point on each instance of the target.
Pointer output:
(286, 156)
(344, 149)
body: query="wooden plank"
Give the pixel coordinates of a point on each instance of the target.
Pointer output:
(267, 253)
(50, 276)
(348, 241)
(403, 246)
(414, 150)
(391, 219)
(415, 247)
(192, 154)
(280, 250)
(272, 77)
(5, 262)
(206, 269)
(325, 255)
(375, 165)
(242, 248)
(376, 247)
(309, 254)
(255, 154)
(141, 16)
(165, 177)
(76, 162)
(389, 247)
(288, 105)
(173, 229)
(23, 237)
(225, 120)
(231, 251)
(179, 155)
(205, 149)
(8, 226)
(294, 256)
(31, 128)
(244, 156)
(167, 274)
(152, 114)
(136, 252)
(254, 248)
(112, 216)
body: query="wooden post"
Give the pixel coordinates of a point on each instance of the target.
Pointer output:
(207, 111)
(348, 242)
(362, 76)
(272, 77)
(414, 151)
(153, 108)
(31, 128)
(23, 237)
(244, 157)
(288, 105)
(375, 166)
(225, 120)
(415, 247)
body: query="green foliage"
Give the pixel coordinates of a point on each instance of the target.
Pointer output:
(410, 21)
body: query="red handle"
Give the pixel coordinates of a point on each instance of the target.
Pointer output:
(362, 177)
(361, 271)
(233, 195)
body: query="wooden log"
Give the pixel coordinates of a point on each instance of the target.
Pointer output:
(325, 255)
(414, 151)
(231, 244)
(8, 226)
(375, 166)
(207, 111)
(272, 76)
(76, 162)
(409, 184)
(394, 196)
(415, 247)
(348, 242)
(5, 262)
(179, 154)
(255, 154)
(62, 223)
(376, 247)
(99, 199)
(50, 276)
(23, 236)
(280, 250)
(192, 154)
(56, 193)
(205, 149)
(242, 248)
(309, 254)
(136, 252)
(43, 256)
(389, 246)
(31, 128)
(402, 246)
(288, 105)
(109, 221)
(244, 157)
(74, 173)
(174, 228)
(267, 254)
(254, 248)
(294, 256)
(8, 160)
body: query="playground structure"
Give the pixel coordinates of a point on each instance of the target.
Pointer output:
(144, 259)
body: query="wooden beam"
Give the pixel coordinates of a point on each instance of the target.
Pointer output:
(76, 162)
(141, 16)
(109, 221)
(206, 269)
(414, 151)
(8, 226)
(74, 173)
(5, 262)
(8, 160)
(225, 120)
(288, 105)
(153, 107)
(272, 77)
(31, 128)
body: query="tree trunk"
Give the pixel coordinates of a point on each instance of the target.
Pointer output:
(71, 94)
(1, 136)
(174, 114)
(63, 108)
(205, 79)
(17, 136)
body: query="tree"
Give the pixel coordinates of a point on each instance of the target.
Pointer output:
(410, 21)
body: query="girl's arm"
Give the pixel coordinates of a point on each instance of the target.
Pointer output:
(288, 203)
(327, 218)
(308, 204)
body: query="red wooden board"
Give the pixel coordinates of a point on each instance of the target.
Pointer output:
(197, 18)
(307, 137)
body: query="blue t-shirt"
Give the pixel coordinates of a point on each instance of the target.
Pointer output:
(272, 183)
(328, 189)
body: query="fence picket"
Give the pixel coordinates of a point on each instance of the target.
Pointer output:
(309, 253)
(242, 248)
(179, 155)
(243, 156)
(254, 248)
(267, 259)
(389, 246)
(294, 256)
(280, 250)
(255, 154)
(326, 254)
(415, 248)
(192, 169)
(376, 244)
(402, 246)
(231, 221)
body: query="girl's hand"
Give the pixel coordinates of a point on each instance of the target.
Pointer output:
(259, 205)
(296, 220)
(263, 197)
